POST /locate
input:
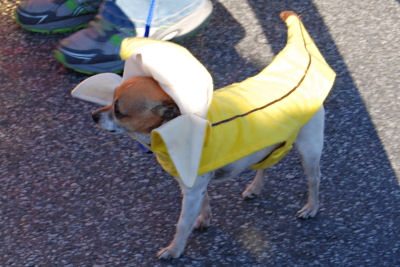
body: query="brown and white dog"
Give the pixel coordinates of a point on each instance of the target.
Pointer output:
(140, 105)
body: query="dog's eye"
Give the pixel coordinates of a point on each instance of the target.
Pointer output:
(117, 112)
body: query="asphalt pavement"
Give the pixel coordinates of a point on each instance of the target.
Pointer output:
(74, 195)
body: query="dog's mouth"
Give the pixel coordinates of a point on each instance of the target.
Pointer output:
(107, 124)
(117, 129)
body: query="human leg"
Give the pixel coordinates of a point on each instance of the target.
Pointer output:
(96, 48)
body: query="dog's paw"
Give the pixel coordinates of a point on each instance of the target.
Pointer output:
(308, 211)
(250, 193)
(169, 252)
(253, 190)
(202, 222)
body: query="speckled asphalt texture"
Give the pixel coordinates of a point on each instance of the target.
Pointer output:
(74, 195)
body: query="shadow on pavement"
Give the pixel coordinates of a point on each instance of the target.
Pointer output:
(72, 194)
(359, 189)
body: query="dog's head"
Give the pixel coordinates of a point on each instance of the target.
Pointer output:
(139, 106)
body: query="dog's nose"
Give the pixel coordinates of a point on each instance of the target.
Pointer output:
(95, 117)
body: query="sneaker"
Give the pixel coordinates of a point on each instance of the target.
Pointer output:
(96, 48)
(56, 16)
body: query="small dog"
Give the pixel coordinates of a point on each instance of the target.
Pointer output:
(140, 105)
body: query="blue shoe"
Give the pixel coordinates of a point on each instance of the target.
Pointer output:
(55, 16)
(96, 48)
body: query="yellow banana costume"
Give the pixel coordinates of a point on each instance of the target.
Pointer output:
(218, 128)
(269, 108)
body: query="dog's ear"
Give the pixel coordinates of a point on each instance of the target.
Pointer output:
(167, 110)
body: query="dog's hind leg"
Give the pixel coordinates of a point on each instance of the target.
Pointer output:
(254, 189)
(192, 203)
(309, 144)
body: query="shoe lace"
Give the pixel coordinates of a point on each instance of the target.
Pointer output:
(90, 6)
(101, 26)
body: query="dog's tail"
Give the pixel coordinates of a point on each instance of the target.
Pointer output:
(298, 34)
(285, 14)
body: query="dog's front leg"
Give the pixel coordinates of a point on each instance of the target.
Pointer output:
(191, 206)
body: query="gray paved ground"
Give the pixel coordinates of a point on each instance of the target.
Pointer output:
(73, 195)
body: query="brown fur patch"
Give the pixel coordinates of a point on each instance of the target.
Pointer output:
(135, 100)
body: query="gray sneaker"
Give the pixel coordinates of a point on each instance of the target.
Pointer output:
(96, 48)
(56, 16)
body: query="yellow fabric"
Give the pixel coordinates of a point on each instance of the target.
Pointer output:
(267, 109)
(130, 45)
